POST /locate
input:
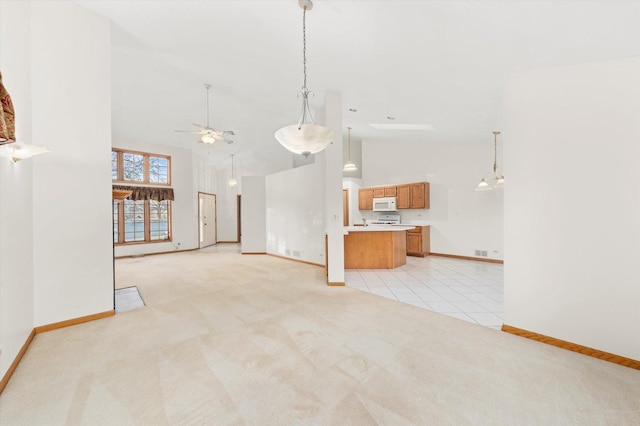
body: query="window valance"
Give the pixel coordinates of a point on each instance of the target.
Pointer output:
(147, 192)
(7, 117)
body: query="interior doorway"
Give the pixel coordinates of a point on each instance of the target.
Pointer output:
(206, 219)
(345, 207)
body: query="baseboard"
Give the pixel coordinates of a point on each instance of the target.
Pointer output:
(254, 252)
(74, 321)
(228, 242)
(296, 260)
(14, 364)
(153, 254)
(335, 284)
(45, 328)
(480, 259)
(574, 347)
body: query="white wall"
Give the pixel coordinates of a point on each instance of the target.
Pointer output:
(184, 211)
(71, 101)
(572, 212)
(462, 220)
(16, 191)
(253, 216)
(295, 205)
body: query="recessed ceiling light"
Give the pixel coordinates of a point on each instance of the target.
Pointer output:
(353, 110)
(398, 126)
(390, 118)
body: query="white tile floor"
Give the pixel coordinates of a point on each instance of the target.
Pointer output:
(465, 289)
(127, 299)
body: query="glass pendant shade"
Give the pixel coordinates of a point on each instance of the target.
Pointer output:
(304, 139)
(483, 186)
(19, 151)
(233, 182)
(349, 166)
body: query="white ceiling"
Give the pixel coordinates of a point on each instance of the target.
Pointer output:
(435, 62)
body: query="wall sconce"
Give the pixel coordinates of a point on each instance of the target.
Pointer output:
(19, 151)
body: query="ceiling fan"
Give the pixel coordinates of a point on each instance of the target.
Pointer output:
(207, 134)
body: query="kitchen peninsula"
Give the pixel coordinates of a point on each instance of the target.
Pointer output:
(375, 246)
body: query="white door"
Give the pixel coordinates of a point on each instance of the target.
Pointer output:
(206, 219)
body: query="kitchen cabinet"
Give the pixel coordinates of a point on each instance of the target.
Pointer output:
(403, 200)
(384, 191)
(367, 248)
(419, 198)
(365, 199)
(378, 192)
(419, 241)
(408, 196)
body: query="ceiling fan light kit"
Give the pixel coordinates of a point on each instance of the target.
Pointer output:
(499, 179)
(207, 134)
(304, 138)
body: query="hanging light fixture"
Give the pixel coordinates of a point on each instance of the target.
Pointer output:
(304, 138)
(232, 181)
(17, 151)
(349, 166)
(499, 180)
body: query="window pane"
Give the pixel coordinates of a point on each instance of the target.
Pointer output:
(158, 170)
(159, 220)
(133, 167)
(115, 222)
(133, 221)
(114, 165)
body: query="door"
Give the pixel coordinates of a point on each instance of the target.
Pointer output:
(345, 207)
(206, 219)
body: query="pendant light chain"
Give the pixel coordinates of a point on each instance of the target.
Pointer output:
(495, 154)
(304, 48)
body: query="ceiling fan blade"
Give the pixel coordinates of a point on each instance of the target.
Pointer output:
(229, 132)
(189, 131)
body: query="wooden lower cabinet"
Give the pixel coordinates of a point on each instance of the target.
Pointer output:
(419, 241)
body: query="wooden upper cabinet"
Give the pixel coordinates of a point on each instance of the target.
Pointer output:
(403, 197)
(408, 196)
(378, 192)
(419, 195)
(365, 199)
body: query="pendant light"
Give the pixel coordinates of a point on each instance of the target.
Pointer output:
(232, 181)
(349, 166)
(499, 180)
(304, 138)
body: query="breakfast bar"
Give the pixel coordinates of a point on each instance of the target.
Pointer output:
(375, 247)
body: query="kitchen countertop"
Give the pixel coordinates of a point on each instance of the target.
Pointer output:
(374, 228)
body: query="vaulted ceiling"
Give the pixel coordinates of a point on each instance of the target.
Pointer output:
(440, 63)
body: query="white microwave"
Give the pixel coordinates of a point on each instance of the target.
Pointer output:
(385, 204)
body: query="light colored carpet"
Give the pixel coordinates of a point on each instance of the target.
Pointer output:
(231, 339)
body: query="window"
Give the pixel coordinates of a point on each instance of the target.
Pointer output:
(146, 216)
(140, 168)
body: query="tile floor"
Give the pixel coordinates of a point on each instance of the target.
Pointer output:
(465, 289)
(127, 299)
